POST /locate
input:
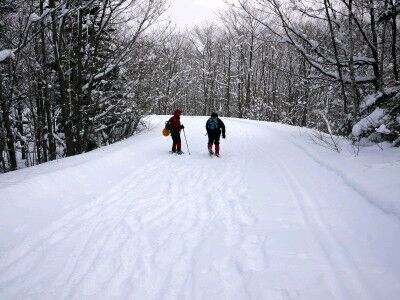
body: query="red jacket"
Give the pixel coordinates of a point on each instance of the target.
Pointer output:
(176, 122)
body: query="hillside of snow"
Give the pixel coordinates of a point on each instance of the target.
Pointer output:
(275, 217)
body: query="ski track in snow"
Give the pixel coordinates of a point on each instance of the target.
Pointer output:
(239, 227)
(323, 236)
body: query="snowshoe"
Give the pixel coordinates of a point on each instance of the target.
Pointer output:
(179, 152)
(210, 152)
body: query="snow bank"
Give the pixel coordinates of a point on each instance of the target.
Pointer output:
(373, 172)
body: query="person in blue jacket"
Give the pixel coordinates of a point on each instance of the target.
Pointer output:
(215, 127)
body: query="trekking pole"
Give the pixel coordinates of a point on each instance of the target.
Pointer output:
(187, 146)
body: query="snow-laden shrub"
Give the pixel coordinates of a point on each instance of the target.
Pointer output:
(380, 117)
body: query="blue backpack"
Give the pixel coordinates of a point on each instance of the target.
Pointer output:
(212, 123)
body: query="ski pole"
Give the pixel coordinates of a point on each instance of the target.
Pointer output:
(187, 146)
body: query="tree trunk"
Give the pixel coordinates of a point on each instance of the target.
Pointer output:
(45, 92)
(375, 54)
(338, 65)
(249, 71)
(354, 87)
(78, 83)
(20, 128)
(394, 44)
(65, 106)
(228, 87)
(8, 128)
(205, 92)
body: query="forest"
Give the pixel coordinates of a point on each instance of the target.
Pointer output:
(76, 75)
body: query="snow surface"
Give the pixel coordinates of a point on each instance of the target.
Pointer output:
(276, 217)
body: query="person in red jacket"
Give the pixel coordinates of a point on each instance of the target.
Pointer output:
(176, 128)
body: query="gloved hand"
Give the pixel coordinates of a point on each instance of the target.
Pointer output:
(182, 127)
(223, 136)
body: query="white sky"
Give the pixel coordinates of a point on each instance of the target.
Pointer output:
(187, 13)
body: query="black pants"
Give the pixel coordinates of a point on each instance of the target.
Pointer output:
(214, 137)
(176, 139)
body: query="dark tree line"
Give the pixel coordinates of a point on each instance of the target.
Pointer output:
(327, 64)
(65, 86)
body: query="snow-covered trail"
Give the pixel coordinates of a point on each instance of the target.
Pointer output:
(265, 221)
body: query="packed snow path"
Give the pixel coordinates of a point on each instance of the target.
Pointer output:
(267, 220)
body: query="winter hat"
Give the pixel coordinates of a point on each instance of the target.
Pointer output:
(178, 111)
(214, 115)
